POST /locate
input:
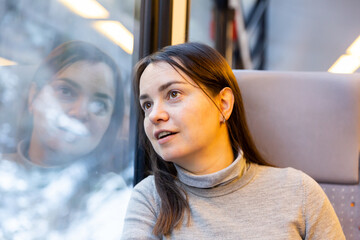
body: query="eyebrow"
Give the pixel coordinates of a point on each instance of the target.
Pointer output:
(71, 82)
(98, 94)
(162, 88)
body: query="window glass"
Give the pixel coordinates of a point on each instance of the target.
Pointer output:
(66, 162)
(201, 23)
(247, 7)
(235, 40)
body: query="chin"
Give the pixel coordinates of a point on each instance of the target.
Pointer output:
(170, 153)
(76, 149)
(170, 157)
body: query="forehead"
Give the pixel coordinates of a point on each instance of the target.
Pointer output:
(93, 77)
(160, 73)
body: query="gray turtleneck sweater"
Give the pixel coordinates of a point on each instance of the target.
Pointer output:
(242, 201)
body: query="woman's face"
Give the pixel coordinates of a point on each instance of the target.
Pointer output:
(72, 112)
(181, 122)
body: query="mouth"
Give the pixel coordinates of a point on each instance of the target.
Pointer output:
(72, 126)
(163, 134)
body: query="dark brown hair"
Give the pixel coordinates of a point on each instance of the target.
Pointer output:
(206, 67)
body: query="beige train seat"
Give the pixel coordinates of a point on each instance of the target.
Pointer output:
(310, 121)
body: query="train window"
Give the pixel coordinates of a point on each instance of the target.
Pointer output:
(235, 28)
(248, 6)
(201, 23)
(66, 161)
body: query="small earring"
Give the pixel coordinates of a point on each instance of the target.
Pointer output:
(223, 120)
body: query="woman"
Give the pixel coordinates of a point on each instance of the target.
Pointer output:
(75, 103)
(209, 180)
(65, 159)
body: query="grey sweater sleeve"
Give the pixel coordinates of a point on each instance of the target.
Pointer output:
(320, 217)
(142, 211)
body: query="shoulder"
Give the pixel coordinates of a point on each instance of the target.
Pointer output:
(11, 159)
(289, 181)
(296, 189)
(285, 176)
(142, 211)
(8, 164)
(145, 192)
(17, 157)
(146, 187)
(294, 182)
(148, 182)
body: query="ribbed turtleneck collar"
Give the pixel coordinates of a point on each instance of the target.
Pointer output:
(222, 177)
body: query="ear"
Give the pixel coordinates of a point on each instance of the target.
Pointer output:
(32, 93)
(226, 96)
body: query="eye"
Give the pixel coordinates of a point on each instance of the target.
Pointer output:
(146, 105)
(173, 94)
(65, 93)
(99, 107)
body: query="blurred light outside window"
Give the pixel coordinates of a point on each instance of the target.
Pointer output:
(6, 62)
(349, 62)
(66, 162)
(86, 8)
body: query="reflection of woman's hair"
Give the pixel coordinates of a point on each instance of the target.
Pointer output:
(67, 54)
(210, 71)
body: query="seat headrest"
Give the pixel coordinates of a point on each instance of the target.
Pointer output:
(309, 121)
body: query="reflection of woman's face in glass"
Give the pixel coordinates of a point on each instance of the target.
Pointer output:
(72, 112)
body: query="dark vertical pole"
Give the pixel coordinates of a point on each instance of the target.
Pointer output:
(147, 45)
(155, 26)
(155, 33)
(223, 18)
(220, 19)
(164, 23)
(188, 2)
(148, 26)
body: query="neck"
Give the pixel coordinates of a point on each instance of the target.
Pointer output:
(44, 156)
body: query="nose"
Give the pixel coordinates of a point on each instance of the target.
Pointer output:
(79, 110)
(158, 114)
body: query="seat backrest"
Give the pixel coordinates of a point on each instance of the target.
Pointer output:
(309, 121)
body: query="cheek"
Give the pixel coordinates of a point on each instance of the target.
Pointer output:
(99, 125)
(147, 128)
(200, 117)
(41, 115)
(38, 120)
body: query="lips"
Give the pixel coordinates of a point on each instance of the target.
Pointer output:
(72, 126)
(163, 134)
